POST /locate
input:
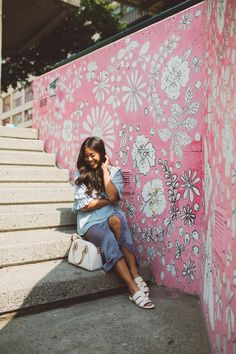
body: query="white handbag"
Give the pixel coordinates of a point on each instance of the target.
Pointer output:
(84, 254)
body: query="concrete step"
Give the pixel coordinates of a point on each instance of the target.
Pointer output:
(26, 158)
(22, 133)
(33, 174)
(33, 216)
(36, 194)
(44, 283)
(21, 144)
(30, 246)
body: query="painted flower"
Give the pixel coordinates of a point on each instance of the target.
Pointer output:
(78, 77)
(174, 212)
(188, 217)
(67, 131)
(101, 86)
(171, 269)
(133, 93)
(151, 253)
(136, 179)
(146, 233)
(174, 76)
(70, 93)
(130, 208)
(161, 254)
(197, 64)
(140, 249)
(59, 108)
(155, 107)
(189, 271)
(113, 100)
(80, 110)
(186, 20)
(190, 180)
(154, 201)
(92, 67)
(100, 123)
(143, 154)
(179, 249)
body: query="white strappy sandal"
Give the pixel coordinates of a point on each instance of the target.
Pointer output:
(141, 300)
(142, 285)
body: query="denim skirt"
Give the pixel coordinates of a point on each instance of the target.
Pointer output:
(102, 236)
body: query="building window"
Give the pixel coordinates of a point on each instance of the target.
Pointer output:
(28, 114)
(28, 93)
(6, 103)
(17, 96)
(17, 119)
(6, 121)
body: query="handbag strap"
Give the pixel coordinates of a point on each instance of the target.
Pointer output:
(75, 237)
(84, 252)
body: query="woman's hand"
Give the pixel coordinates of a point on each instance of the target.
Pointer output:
(105, 164)
(110, 188)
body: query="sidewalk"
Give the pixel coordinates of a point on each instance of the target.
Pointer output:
(111, 325)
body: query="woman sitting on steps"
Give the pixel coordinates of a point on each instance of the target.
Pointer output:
(100, 220)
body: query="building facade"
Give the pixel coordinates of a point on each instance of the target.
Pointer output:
(16, 107)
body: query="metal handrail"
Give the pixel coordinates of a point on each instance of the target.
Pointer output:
(156, 18)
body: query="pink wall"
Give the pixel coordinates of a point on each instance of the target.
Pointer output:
(219, 261)
(144, 95)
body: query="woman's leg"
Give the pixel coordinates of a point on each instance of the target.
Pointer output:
(115, 226)
(123, 272)
(119, 227)
(137, 296)
(131, 262)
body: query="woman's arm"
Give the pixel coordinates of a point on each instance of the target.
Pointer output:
(96, 204)
(110, 188)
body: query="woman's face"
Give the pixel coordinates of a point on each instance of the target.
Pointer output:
(92, 157)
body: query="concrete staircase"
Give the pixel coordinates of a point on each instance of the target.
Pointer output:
(36, 224)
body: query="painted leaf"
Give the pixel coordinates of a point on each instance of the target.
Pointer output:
(176, 110)
(178, 150)
(193, 107)
(189, 123)
(121, 53)
(187, 54)
(183, 138)
(132, 45)
(144, 49)
(172, 122)
(188, 95)
(165, 134)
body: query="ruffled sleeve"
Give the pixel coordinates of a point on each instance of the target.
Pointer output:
(81, 198)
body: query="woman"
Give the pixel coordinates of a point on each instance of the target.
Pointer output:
(98, 189)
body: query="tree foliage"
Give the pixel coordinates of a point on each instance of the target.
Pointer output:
(73, 35)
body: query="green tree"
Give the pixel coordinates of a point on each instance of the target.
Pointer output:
(80, 29)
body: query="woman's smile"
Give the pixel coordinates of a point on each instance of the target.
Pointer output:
(92, 157)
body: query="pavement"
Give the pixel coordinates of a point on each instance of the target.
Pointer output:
(108, 325)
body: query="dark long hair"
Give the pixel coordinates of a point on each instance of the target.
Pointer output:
(92, 178)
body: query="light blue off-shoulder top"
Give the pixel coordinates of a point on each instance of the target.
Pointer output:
(86, 219)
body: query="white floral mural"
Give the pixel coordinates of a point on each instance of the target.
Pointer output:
(144, 96)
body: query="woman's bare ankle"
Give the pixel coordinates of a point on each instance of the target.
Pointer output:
(133, 289)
